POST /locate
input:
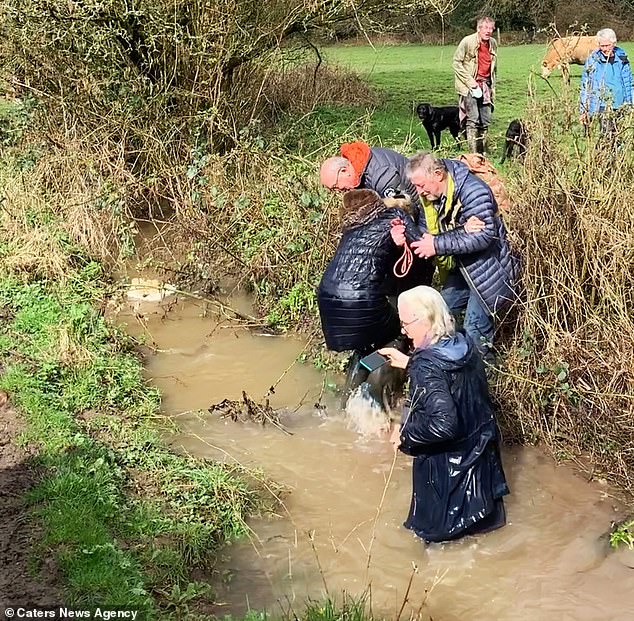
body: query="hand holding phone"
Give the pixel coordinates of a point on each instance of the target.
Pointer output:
(397, 358)
(373, 361)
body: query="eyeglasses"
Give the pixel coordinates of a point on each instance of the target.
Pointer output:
(335, 185)
(409, 323)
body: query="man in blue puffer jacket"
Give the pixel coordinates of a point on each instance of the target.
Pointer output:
(478, 270)
(606, 82)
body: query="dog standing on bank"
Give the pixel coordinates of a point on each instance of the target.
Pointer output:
(437, 118)
(516, 136)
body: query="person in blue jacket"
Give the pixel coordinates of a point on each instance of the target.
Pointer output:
(477, 268)
(448, 425)
(356, 287)
(606, 82)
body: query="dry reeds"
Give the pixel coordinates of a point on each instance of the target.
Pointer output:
(301, 87)
(568, 377)
(27, 248)
(61, 199)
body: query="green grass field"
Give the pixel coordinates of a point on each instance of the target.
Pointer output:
(411, 74)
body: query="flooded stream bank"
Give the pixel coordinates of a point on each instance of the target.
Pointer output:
(550, 562)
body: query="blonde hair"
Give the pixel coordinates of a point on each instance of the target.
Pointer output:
(426, 303)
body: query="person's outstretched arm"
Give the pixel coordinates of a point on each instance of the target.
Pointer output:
(465, 240)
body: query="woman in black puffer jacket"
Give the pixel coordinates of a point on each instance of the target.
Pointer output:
(448, 426)
(354, 289)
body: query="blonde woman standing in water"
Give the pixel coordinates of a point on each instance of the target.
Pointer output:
(448, 425)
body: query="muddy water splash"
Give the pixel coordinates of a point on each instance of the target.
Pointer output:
(341, 527)
(364, 415)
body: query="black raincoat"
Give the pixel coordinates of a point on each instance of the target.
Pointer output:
(450, 429)
(354, 289)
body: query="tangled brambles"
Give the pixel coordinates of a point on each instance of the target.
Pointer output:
(568, 377)
(161, 113)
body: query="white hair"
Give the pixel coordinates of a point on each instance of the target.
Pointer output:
(426, 303)
(607, 34)
(485, 20)
(425, 162)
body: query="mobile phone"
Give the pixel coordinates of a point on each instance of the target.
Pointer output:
(373, 361)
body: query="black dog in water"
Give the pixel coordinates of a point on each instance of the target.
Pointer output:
(384, 385)
(435, 119)
(515, 136)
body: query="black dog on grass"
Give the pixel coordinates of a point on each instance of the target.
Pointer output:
(516, 136)
(437, 118)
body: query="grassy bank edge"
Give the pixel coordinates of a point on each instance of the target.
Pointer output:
(125, 518)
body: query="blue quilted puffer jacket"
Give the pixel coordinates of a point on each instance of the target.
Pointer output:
(484, 258)
(353, 293)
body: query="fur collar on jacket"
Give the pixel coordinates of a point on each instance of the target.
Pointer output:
(359, 207)
(362, 206)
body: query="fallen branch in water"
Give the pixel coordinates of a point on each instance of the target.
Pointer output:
(248, 410)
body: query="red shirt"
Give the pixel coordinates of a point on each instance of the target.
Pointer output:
(484, 60)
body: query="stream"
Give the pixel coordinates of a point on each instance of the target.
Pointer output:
(340, 527)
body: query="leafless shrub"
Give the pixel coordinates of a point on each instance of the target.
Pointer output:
(568, 377)
(150, 107)
(302, 88)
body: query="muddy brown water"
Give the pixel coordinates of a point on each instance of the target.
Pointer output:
(340, 528)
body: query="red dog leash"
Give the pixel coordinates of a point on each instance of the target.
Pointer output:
(404, 264)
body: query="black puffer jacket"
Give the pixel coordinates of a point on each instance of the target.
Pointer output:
(352, 295)
(485, 258)
(458, 481)
(385, 174)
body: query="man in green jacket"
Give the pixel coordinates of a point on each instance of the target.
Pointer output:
(474, 64)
